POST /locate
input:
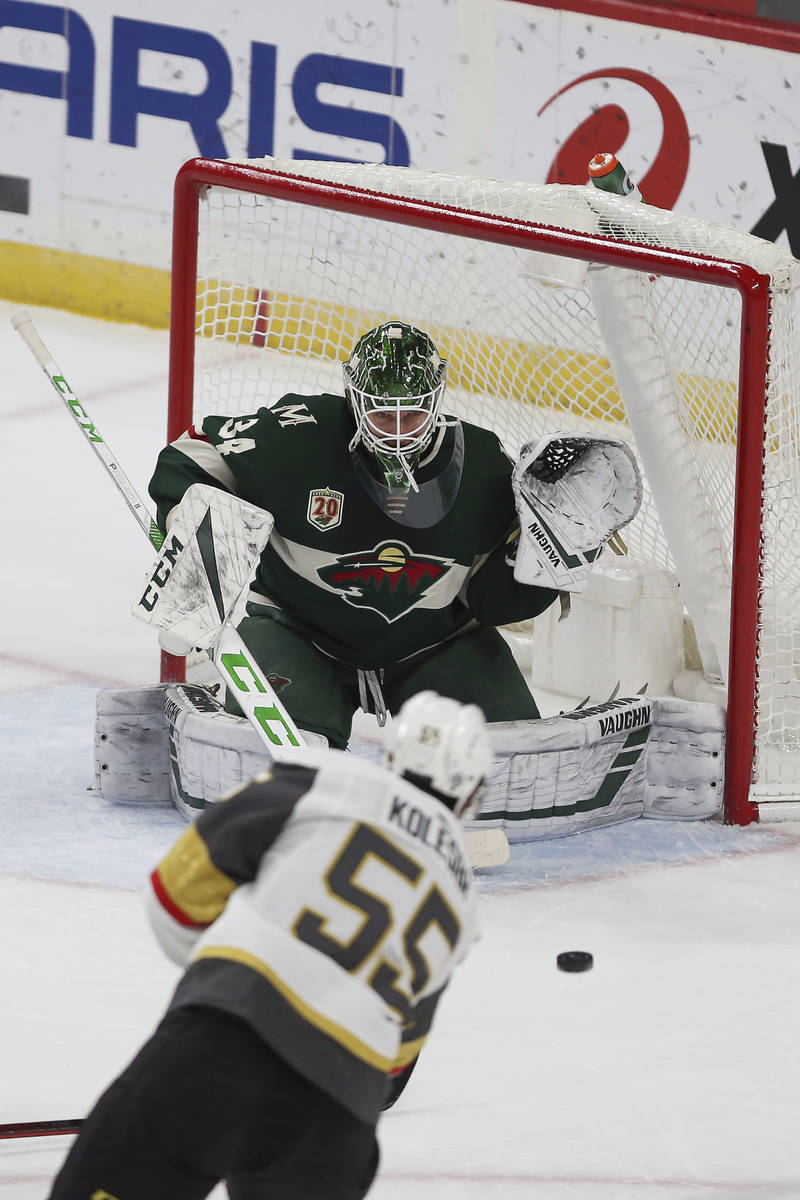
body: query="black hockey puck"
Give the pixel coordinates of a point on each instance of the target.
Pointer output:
(574, 960)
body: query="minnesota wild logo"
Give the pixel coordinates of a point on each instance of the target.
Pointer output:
(390, 579)
(277, 682)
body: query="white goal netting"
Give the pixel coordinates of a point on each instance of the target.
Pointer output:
(650, 347)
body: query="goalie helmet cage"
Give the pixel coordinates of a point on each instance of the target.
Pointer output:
(556, 307)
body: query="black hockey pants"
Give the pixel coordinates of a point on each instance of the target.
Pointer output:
(205, 1099)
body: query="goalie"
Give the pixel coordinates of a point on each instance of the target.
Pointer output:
(390, 562)
(402, 538)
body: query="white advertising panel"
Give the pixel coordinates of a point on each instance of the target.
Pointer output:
(100, 103)
(705, 127)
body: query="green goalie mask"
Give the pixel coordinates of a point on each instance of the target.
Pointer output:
(394, 380)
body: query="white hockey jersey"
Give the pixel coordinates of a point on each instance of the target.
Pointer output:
(326, 904)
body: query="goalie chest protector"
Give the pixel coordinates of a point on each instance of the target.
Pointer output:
(361, 580)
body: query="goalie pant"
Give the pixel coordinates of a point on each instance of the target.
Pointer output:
(640, 757)
(246, 898)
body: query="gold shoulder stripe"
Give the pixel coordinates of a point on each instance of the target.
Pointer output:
(191, 883)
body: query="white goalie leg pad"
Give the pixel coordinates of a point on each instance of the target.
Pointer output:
(131, 746)
(174, 743)
(645, 756)
(685, 760)
(211, 751)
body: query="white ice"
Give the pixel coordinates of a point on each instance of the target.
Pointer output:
(672, 1069)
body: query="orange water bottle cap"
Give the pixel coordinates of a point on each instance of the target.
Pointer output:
(602, 164)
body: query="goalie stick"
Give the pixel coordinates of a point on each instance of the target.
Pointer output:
(24, 326)
(236, 666)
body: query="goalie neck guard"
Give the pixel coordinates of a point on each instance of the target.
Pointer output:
(394, 381)
(432, 498)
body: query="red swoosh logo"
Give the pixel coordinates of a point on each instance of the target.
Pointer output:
(607, 130)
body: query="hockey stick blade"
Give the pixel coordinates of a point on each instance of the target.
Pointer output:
(486, 847)
(25, 1129)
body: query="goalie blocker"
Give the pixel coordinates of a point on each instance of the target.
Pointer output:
(644, 756)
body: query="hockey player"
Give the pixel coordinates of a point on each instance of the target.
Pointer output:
(389, 565)
(401, 538)
(321, 909)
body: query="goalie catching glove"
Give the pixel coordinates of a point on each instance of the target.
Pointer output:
(572, 494)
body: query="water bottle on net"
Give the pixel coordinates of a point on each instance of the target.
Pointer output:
(607, 173)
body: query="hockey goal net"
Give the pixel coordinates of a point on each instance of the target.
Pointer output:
(556, 307)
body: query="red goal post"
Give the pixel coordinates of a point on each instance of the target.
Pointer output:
(556, 307)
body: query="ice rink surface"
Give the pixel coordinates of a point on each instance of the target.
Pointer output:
(670, 1070)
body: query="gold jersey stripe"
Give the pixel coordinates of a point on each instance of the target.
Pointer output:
(408, 1052)
(345, 1037)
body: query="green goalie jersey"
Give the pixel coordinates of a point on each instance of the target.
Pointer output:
(366, 587)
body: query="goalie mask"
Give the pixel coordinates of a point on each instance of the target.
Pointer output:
(394, 380)
(440, 746)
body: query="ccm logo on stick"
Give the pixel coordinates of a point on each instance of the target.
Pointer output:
(161, 573)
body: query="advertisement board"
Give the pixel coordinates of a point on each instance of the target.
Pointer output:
(102, 101)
